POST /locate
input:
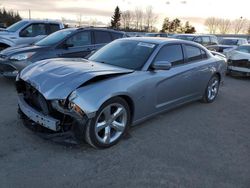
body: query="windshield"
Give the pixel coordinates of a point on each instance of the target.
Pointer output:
(245, 49)
(54, 38)
(229, 41)
(16, 26)
(124, 53)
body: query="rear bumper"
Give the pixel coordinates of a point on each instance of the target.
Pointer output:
(39, 118)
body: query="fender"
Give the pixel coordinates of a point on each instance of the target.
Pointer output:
(6, 41)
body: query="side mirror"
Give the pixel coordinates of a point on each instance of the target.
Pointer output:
(161, 65)
(66, 45)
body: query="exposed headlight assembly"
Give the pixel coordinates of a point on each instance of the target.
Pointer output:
(22, 56)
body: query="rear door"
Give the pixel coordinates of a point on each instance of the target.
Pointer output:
(101, 38)
(80, 45)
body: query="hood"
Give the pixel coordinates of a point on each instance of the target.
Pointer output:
(57, 78)
(237, 55)
(21, 49)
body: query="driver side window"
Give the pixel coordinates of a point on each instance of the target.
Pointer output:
(80, 39)
(171, 53)
(33, 30)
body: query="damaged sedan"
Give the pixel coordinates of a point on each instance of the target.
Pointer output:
(122, 84)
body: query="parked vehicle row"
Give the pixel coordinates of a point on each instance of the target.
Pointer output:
(66, 43)
(26, 32)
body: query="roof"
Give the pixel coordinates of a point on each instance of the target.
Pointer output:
(193, 35)
(234, 38)
(45, 20)
(154, 40)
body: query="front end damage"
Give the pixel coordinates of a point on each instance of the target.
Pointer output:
(58, 120)
(239, 67)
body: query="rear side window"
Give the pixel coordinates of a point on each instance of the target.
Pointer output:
(195, 53)
(214, 40)
(102, 37)
(171, 53)
(80, 39)
(116, 35)
(205, 40)
(53, 28)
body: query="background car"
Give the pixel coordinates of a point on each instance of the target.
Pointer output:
(204, 40)
(26, 32)
(156, 35)
(67, 43)
(239, 60)
(122, 84)
(227, 44)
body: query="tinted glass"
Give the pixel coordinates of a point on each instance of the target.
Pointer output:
(80, 39)
(198, 39)
(245, 49)
(125, 53)
(116, 35)
(205, 40)
(54, 27)
(193, 53)
(214, 40)
(34, 30)
(229, 41)
(102, 37)
(184, 37)
(54, 38)
(16, 26)
(173, 54)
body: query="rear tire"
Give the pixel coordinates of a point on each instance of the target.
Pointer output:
(211, 90)
(109, 125)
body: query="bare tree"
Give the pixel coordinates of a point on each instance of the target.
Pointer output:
(212, 24)
(138, 18)
(224, 26)
(238, 25)
(150, 18)
(126, 19)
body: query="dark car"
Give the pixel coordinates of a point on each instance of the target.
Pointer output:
(204, 40)
(156, 35)
(227, 44)
(67, 43)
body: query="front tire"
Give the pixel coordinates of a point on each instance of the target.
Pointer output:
(211, 90)
(109, 125)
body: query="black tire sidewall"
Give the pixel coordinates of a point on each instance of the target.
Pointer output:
(91, 126)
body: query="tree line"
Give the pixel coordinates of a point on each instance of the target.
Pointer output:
(226, 26)
(145, 20)
(9, 17)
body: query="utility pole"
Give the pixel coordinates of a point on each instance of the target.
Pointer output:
(29, 14)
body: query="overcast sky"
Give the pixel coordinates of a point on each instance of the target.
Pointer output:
(194, 10)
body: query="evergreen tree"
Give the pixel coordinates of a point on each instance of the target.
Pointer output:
(188, 28)
(9, 17)
(116, 18)
(166, 25)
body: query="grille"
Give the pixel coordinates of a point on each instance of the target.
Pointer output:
(239, 63)
(34, 98)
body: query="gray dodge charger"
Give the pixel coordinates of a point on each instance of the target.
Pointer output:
(120, 85)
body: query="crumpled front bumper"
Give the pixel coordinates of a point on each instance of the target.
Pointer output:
(39, 118)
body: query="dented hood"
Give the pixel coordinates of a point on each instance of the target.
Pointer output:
(57, 78)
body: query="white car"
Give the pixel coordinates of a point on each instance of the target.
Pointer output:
(26, 32)
(239, 60)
